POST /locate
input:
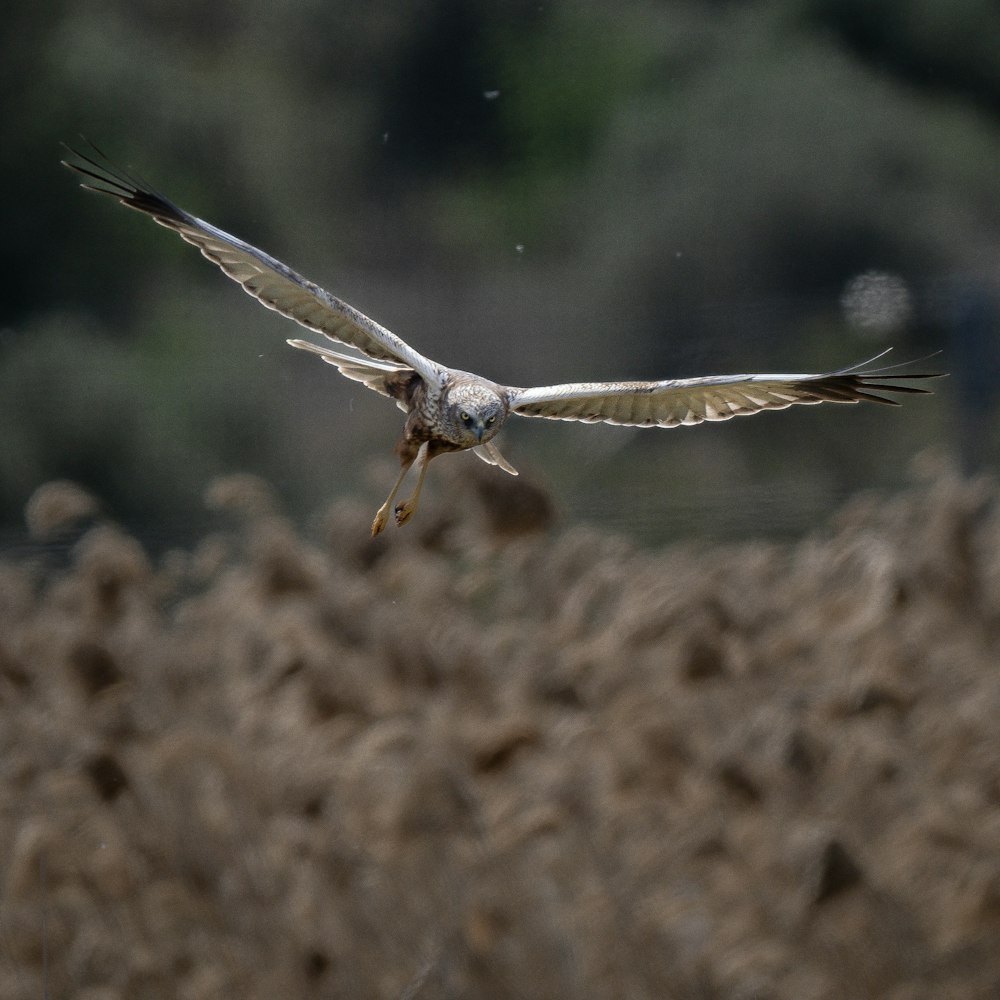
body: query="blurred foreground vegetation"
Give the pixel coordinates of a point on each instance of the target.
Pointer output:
(537, 192)
(290, 764)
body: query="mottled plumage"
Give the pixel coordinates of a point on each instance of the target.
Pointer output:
(450, 410)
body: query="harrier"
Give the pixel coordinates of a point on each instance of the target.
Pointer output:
(450, 410)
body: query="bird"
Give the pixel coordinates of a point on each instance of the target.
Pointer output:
(448, 410)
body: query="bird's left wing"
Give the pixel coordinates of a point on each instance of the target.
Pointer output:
(690, 401)
(274, 284)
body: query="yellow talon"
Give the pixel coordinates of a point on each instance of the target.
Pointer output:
(381, 517)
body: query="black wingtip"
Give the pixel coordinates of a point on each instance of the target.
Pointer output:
(96, 166)
(104, 177)
(860, 383)
(863, 369)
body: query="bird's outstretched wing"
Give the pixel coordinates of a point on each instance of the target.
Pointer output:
(274, 284)
(690, 401)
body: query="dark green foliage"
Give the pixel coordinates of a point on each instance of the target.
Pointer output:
(937, 47)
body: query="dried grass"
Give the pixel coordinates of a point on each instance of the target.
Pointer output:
(461, 763)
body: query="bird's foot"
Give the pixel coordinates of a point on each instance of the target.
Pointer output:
(405, 510)
(381, 519)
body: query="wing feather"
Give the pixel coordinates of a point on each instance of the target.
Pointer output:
(379, 376)
(268, 280)
(674, 402)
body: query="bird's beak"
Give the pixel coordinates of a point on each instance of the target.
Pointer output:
(480, 430)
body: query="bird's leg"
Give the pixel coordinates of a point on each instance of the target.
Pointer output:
(404, 510)
(382, 514)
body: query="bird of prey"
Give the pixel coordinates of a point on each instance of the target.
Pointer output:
(450, 410)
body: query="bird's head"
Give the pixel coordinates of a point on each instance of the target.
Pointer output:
(475, 413)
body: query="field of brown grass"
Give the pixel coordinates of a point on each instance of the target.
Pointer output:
(470, 760)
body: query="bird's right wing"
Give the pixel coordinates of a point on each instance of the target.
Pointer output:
(379, 376)
(269, 281)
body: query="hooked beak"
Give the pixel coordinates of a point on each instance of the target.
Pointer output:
(479, 430)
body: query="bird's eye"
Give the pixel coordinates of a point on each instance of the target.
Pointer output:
(465, 417)
(492, 420)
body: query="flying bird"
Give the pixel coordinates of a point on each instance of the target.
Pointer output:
(450, 410)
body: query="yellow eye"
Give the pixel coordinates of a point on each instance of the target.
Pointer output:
(465, 416)
(492, 420)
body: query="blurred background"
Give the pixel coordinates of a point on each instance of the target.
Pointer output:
(277, 759)
(539, 192)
